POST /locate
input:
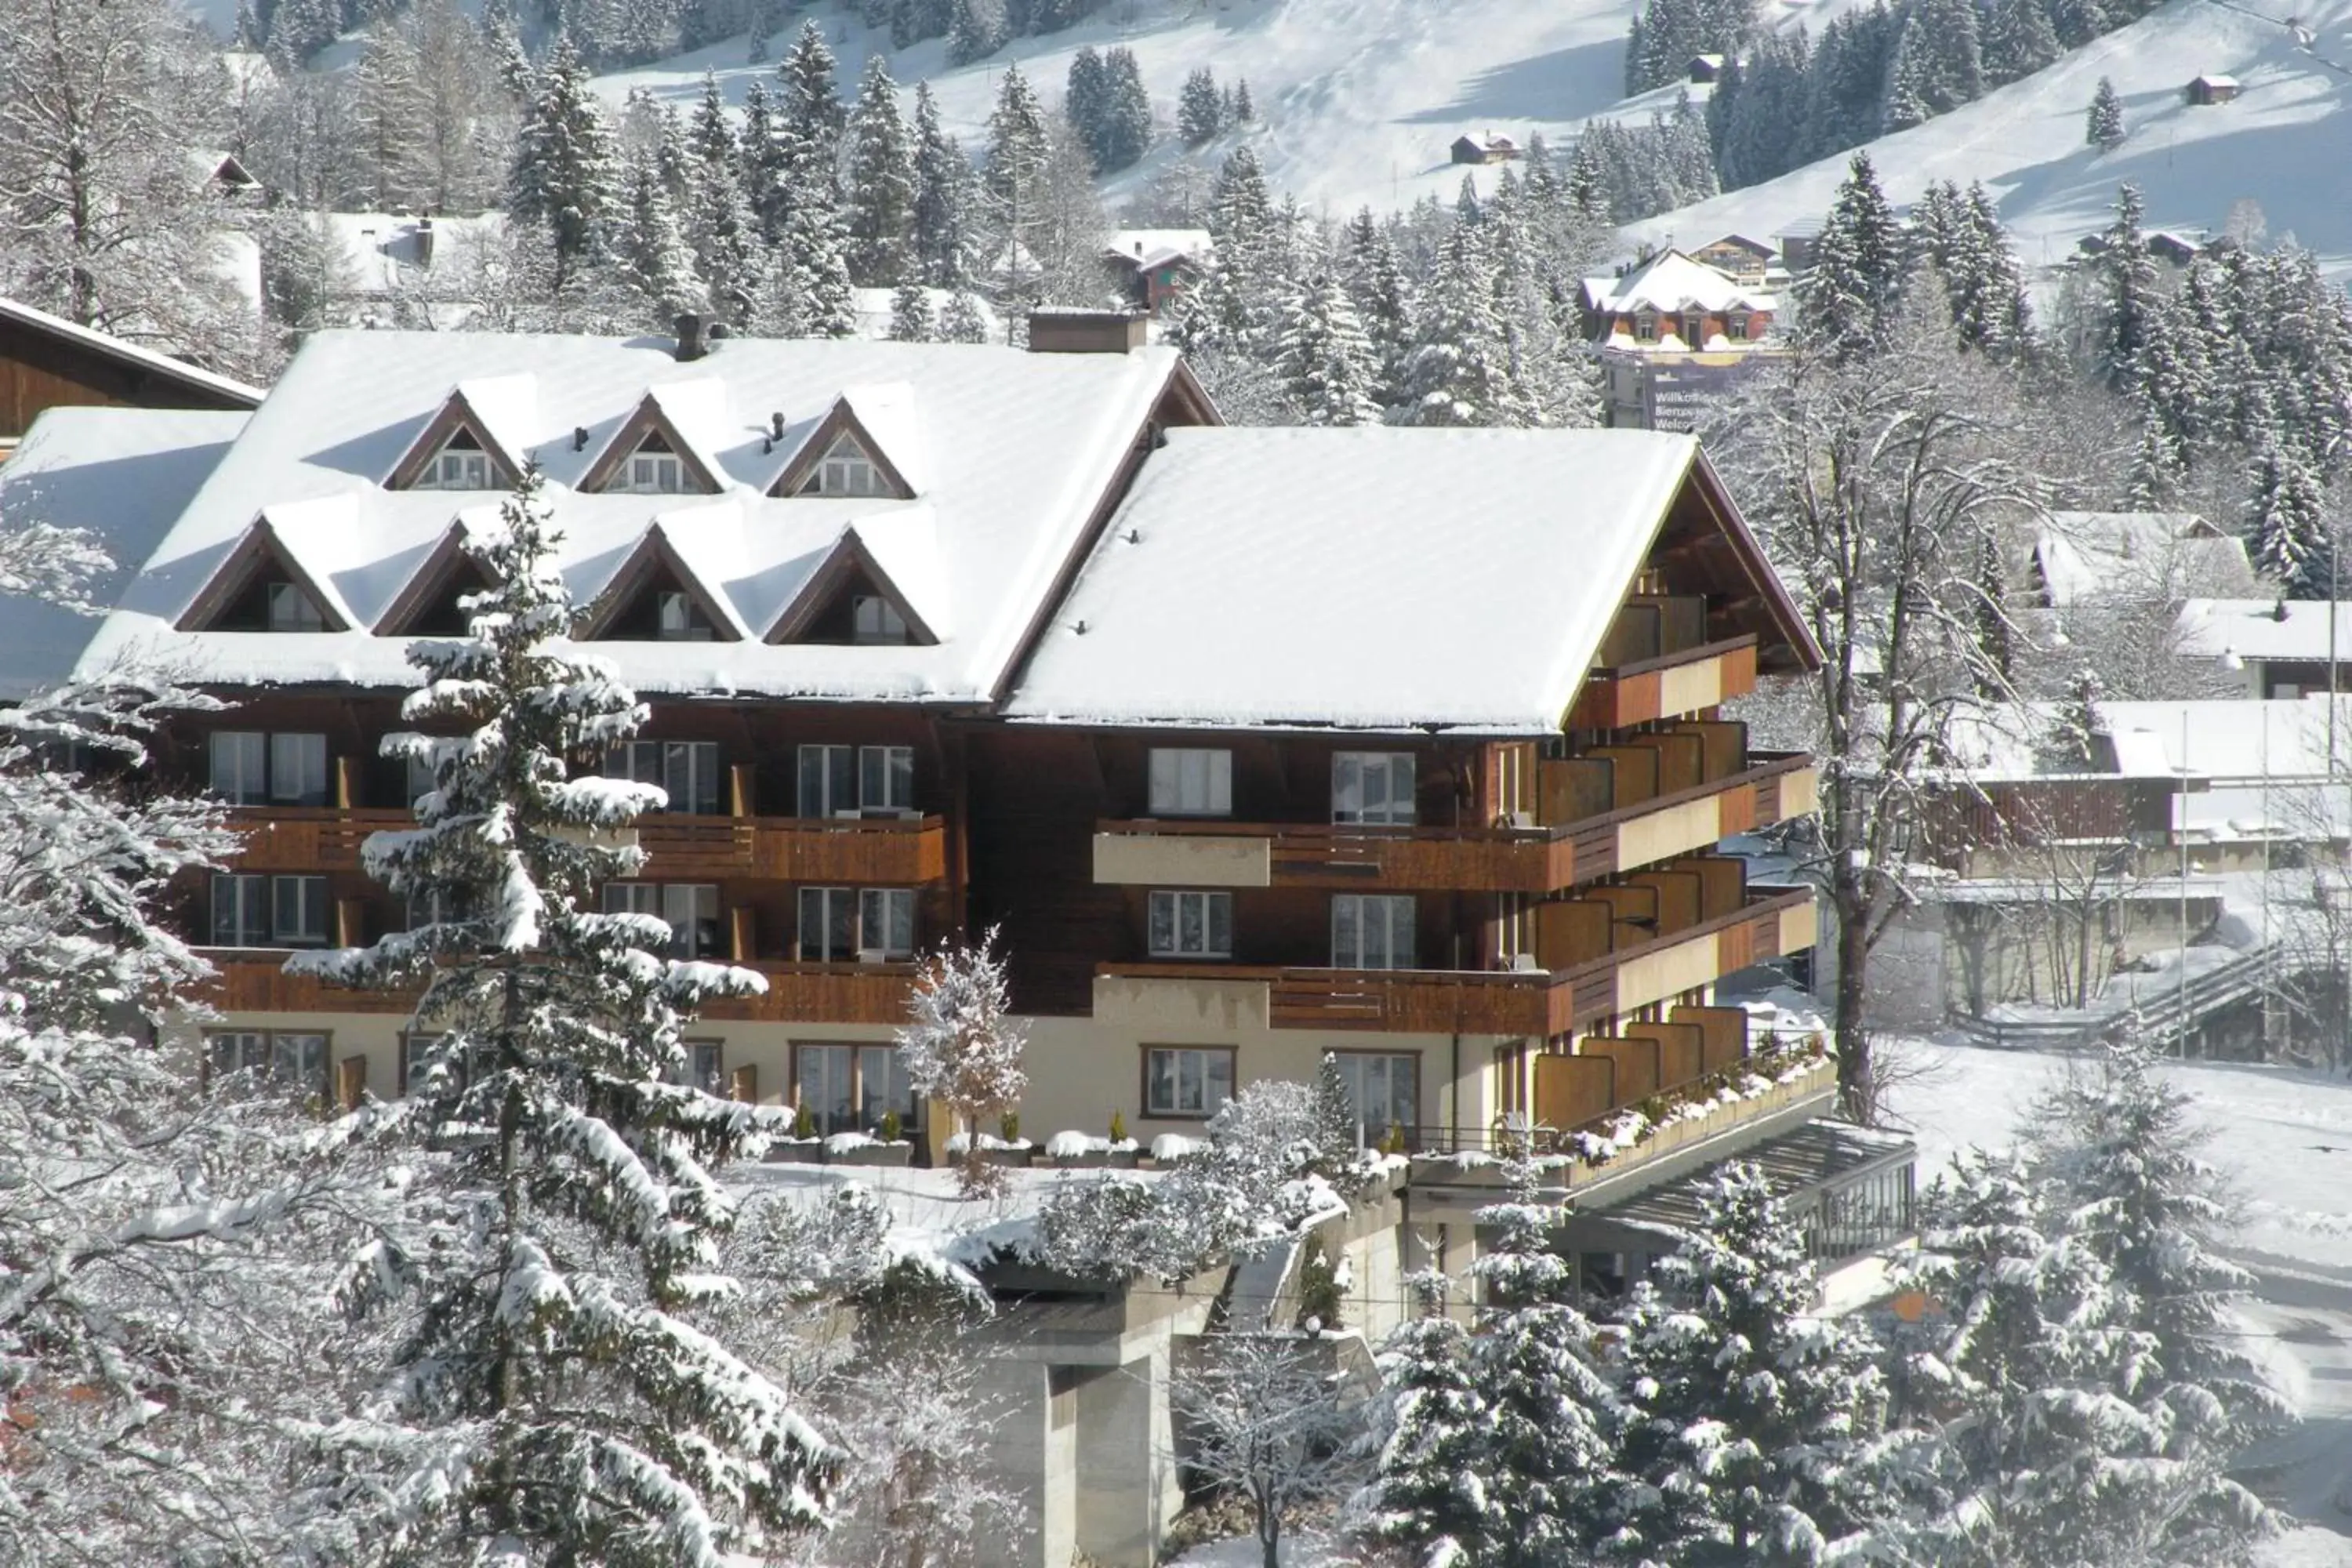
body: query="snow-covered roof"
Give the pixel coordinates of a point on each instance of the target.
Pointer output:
(2285, 738)
(120, 474)
(380, 251)
(144, 359)
(2213, 79)
(1012, 452)
(1371, 578)
(2086, 557)
(1671, 281)
(1146, 248)
(2279, 630)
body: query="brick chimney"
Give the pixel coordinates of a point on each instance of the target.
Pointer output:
(694, 337)
(1059, 331)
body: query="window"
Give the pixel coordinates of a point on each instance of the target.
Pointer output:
(1384, 1089)
(1645, 327)
(459, 466)
(296, 1059)
(443, 905)
(240, 910)
(845, 471)
(1192, 925)
(702, 1068)
(298, 907)
(1734, 326)
(868, 925)
(240, 766)
(1371, 931)
(886, 923)
(874, 620)
(691, 910)
(886, 778)
(689, 769)
(249, 768)
(292, 610)
(1191, 783)
(678, 619)
(843, 781)
(1371, 786)
(653, 474)
(847, 1088)
(1178, 1082)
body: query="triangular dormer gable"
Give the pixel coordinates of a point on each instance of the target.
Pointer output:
(850, 599)
(259, 586)
(429, 605)
(657, 597)
(456, 450)
(649, 455)
(842, 458)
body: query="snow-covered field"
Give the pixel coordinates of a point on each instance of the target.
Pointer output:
(2285, 1137)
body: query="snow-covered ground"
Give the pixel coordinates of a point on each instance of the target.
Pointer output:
(2285, 1137)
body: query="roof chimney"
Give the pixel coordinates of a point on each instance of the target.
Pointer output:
(424, 241)
(1064, 331)
(691, 343)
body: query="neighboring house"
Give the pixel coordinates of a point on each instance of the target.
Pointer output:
(1704, 68)
(1152, 268)
(1797, 241)
(2205, 92)
(2173, 247)
(2094, 558)
(940, 639)
(1751, 263)
(385, 264)
(48, 362)
(1672, 332)
(1493, 149)
(2278, 648)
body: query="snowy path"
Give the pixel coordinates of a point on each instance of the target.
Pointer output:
(2285, 1137)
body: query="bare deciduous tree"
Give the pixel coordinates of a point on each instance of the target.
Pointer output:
(1264, 1418)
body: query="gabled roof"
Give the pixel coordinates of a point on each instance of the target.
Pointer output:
(442, 565)
(893, 448)
(2290, 631)
(216, 389)
(653, 555)
(1017, 457)
(1330, 578)
(487, 406)
(1148, 247)
(2087, 557)
(897, 552)
(676, 413)
(1672, 281)
(261, 551)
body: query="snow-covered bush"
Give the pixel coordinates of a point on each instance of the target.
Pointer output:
(961, 1046)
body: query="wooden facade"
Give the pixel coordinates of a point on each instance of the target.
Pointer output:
(46, 363)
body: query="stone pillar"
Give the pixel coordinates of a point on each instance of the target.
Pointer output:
(1126, 1485)
(1032, 1454)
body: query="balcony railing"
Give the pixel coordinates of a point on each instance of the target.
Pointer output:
(1667, 687)
(1357, 857)
(1534, 1002)
(890, 851)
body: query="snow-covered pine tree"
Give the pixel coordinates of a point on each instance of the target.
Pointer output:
(2019, 40)
(1426, 1499)
(1991, 310)
(1550, 1412)
(961, 322)
(1085, 97)
(656, 261)
(761, 163)
(2129, 293)
(1124, 130)
(387, 106)
(810, 117)
(975, 29)
(2104, 126)
(1018, 168)
(880, 188)
(2288, 525)
(961, 1047)
(1458, 372)
(1245, 110)
(1327, 364)
(944, 182)
(910, 315)
(564, 173)
(539, 1396)
(1199, 111)
(720, 226)
(1938, 65)
(1749, 1417)
(1384, 304)
(1850, 295)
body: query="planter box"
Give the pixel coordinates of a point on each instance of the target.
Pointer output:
(796, 1153)
(1092, 1160)
(1015, 1159)
(900, 1155)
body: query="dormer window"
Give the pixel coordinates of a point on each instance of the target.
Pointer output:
(1735, 327)
(874, 620)
(292, 610)
(1645, 327)
(845, 471)
(1694, 329)
(652, 470)
(679, 619)
(460, 465)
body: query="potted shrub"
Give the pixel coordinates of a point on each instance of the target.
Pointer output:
(804, 1147)
(1072, 1151)
(1125, 1153)
(882, 1147)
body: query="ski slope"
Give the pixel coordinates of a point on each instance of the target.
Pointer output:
(2282, 143)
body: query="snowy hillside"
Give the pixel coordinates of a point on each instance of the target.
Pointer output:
(2282, 143)
(1357, 100)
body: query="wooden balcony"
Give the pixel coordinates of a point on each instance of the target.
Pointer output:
(254, 980)
(871, 851)
(1356, 859)
(1667, 686)
(1534, 1003)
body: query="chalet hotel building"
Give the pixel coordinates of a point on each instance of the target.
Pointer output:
(1253, 744)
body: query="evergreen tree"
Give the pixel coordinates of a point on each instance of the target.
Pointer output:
(1849, 298)
(540, 1396)
(881, 185)
(388, 108)
(943, 180)
(1748, 1416)
(1426, 1500)
(1457, 372)
(2105, 126)
(1990, 310)
(1383, 300)
(719, 226)
(910, 315)
(1549, 1409)
(2287, 525)
(961, 322)
(1199, 113)
(810, 116)
(1244, 111)
(654, 259)
(1939, 64)
(2018, 41)
(1085, 96)
(2077, 22)
(762, 161)
(976, 29)
(1020, 158)
(1125, 129)
(2127, 277)
(563, 171)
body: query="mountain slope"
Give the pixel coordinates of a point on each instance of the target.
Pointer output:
(2282, 143)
